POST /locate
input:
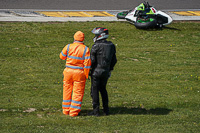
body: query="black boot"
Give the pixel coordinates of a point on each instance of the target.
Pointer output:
(106, 111)
(95, 112)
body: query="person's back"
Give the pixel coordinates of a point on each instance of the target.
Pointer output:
(103, 60)
(78, 63)
(105, 56)
(76, 55)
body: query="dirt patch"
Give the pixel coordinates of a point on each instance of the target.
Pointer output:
(3, 110)
(30, 110)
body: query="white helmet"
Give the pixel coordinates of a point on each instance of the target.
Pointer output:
(100, 33)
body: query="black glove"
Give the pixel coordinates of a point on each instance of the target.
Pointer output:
(109, 75)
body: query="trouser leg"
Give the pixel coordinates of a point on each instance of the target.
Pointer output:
(79, 80)
(95, 93)
(77, 97)
(67, 91)
(104, 94)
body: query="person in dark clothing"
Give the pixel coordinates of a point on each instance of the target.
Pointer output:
(103, 58)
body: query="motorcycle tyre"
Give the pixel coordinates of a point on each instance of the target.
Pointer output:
(120, 16)
(146, 25)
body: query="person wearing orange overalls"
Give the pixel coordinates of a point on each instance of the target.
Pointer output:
(78, 64)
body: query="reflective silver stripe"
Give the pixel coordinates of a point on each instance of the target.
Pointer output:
(68, 49)
(77, 102)
(87, 57)
(87, 67)
(66, 105)
(66, 101)
(76, 107)
(84, 52)
(74, 57)
(63, 54)
(74, 67)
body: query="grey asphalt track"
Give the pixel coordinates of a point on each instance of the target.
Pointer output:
(96, 4)
(24, 10)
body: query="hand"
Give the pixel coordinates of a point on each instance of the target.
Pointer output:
(109, 75)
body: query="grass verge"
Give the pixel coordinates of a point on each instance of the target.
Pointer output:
(154, 87)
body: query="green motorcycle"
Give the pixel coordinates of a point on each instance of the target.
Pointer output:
(145, 16)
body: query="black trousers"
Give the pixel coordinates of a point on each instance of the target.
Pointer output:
(98, 84)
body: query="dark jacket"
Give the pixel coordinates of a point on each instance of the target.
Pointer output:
(103, 57)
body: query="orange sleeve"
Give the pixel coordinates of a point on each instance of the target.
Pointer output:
(63, 54)
(87, 63)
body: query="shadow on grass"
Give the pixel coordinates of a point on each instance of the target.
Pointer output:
(139, 111)
(133, 111)
(162, 28)
(171, 28)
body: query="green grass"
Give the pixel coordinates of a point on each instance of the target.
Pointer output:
(154, 88)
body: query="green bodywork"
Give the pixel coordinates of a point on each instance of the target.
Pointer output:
(123, 13)
(145, 21)
(141, 7)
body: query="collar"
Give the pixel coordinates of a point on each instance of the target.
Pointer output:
(100, 41)
(78, 42)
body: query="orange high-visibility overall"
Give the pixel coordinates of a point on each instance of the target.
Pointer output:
(77, 69)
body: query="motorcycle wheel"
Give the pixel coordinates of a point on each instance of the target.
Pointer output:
(145, 24)
(122, 15)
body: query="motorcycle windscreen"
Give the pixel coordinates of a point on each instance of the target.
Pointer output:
(169, 19)
(131, 16)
